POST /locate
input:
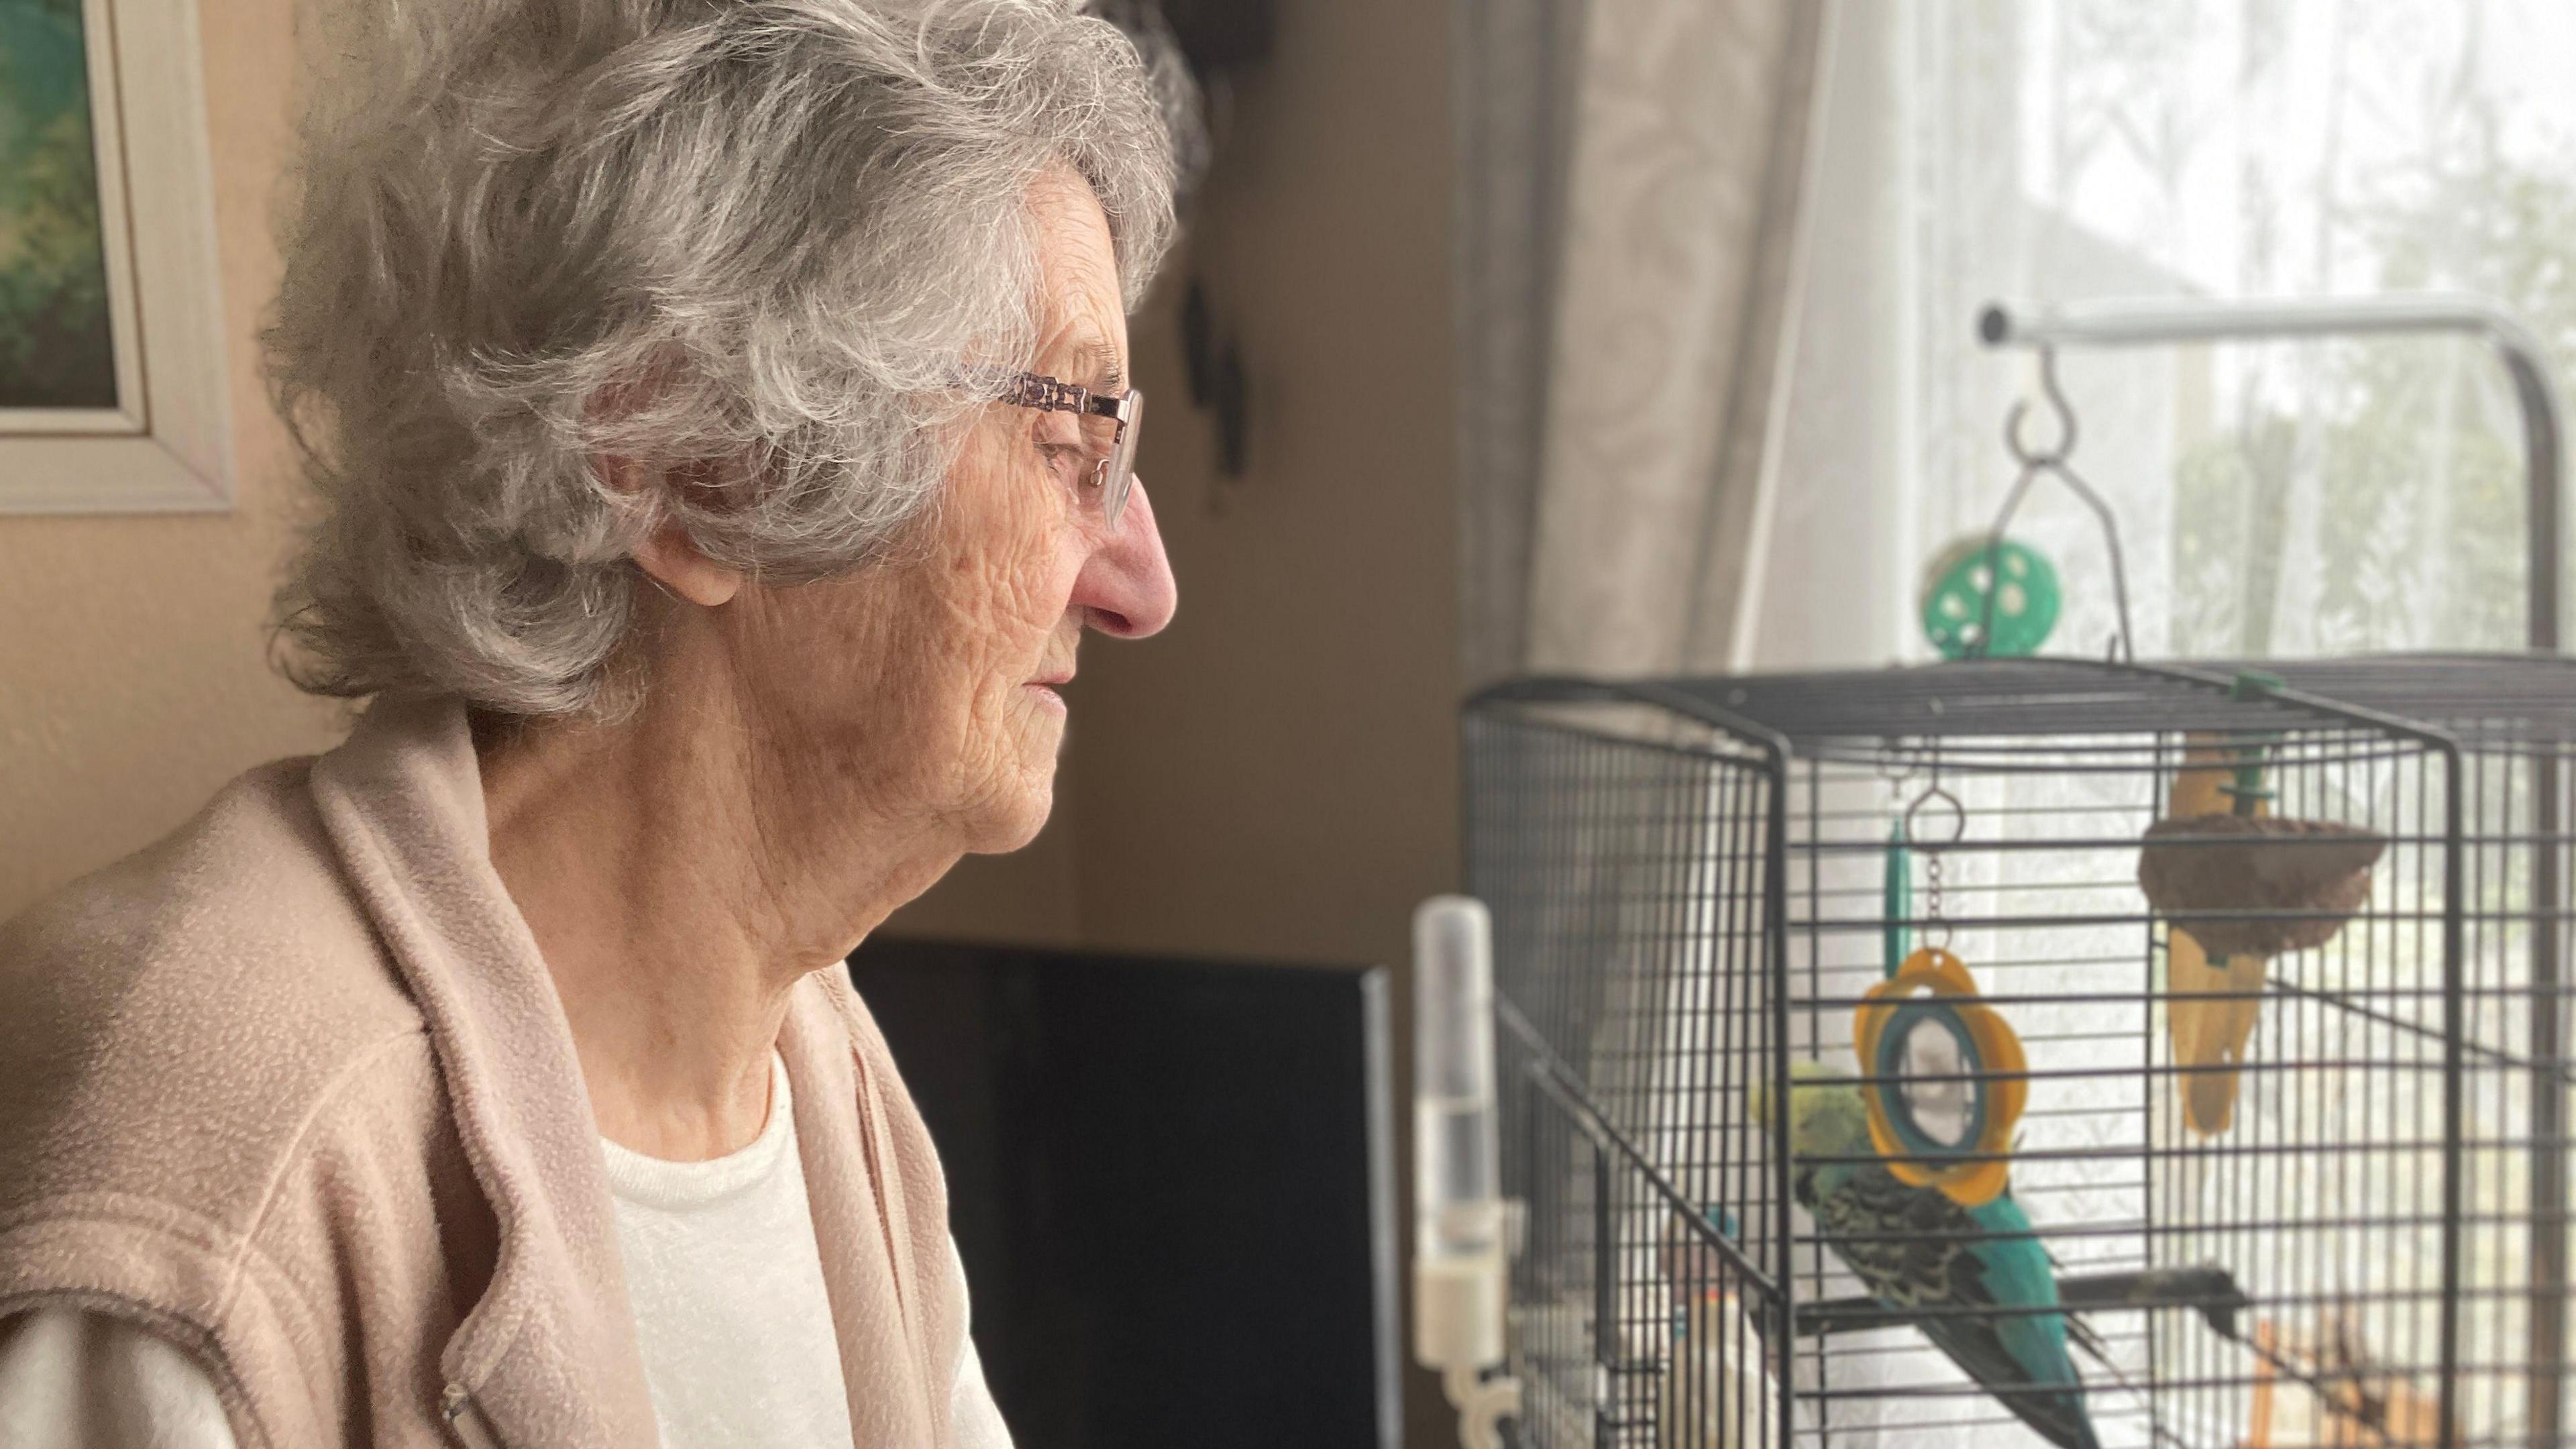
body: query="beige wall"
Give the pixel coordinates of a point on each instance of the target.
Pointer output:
(1276, 774)
(133, 678)
(1029, 898)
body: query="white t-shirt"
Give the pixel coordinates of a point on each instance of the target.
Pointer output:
(727, 1285)
(722, 1270)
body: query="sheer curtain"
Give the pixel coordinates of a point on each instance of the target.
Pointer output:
(2273, 500)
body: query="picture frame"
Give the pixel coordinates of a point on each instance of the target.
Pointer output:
(165, 442)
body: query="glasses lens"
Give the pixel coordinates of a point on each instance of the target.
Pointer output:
(1115, 447)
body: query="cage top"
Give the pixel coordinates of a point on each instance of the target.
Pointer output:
(2480, 699)
(2483, 699)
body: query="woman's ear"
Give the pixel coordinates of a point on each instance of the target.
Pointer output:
(672, 560)
(669, 556)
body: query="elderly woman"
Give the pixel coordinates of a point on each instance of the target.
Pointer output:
(721, 421)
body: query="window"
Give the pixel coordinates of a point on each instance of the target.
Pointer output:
(2275, 499)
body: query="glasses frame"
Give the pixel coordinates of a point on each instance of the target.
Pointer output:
(1115, 475)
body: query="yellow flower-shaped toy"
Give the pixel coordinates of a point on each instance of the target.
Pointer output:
(1943, 1079)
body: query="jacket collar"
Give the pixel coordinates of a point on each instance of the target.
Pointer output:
(548, 1356)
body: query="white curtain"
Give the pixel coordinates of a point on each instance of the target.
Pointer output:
(1633, 174)
(2273, 500)
(1721, 394)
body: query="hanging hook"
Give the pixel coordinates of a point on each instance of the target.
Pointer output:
(1939, 795)
(2053, 463)
(1895, 766)
(1935, 932)
(1934, 793)
(2026, 455)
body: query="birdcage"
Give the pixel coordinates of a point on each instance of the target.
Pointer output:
(2029, 1051)
(2308, 1188)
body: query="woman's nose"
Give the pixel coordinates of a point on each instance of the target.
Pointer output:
(1126, 588)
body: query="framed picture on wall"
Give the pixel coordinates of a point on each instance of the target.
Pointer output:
(112, 377)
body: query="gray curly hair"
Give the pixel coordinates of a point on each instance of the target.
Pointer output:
(753, 244)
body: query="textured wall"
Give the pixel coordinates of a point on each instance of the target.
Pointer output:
(1275, 775)
(133, 678)
(1027, 898)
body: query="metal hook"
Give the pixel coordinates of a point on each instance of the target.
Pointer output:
(2052, 463)
(2030, 457)
(1938, 793)
(1936, 931)
(1895, 766)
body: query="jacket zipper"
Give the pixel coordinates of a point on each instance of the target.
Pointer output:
(466, 1420)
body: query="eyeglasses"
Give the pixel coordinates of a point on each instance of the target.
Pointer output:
(1108, 426)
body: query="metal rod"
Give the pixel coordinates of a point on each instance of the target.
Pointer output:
(1775, 902)
(2454, 1104)
(2535, 382)
(2548, 1194)
(2208, 1289)
(1605, 1255)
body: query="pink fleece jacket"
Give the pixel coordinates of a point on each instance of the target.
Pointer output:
(292, 1088)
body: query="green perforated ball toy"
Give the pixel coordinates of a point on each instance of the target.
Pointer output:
(1954, 600)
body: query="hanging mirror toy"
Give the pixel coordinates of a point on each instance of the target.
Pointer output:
(1944, 1076)
(1988, 596)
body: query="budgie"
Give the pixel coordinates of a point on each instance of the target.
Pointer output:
(1915, 1248)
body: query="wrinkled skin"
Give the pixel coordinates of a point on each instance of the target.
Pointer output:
(904, 690)
(809, 757)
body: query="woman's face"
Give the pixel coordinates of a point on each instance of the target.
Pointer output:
(923, 693)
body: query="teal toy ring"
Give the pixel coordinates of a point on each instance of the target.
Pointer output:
(1965, 1138)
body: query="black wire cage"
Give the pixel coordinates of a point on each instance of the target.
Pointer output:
(2239, 1116)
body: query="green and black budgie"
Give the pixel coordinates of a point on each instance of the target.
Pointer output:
(1915, 1248)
